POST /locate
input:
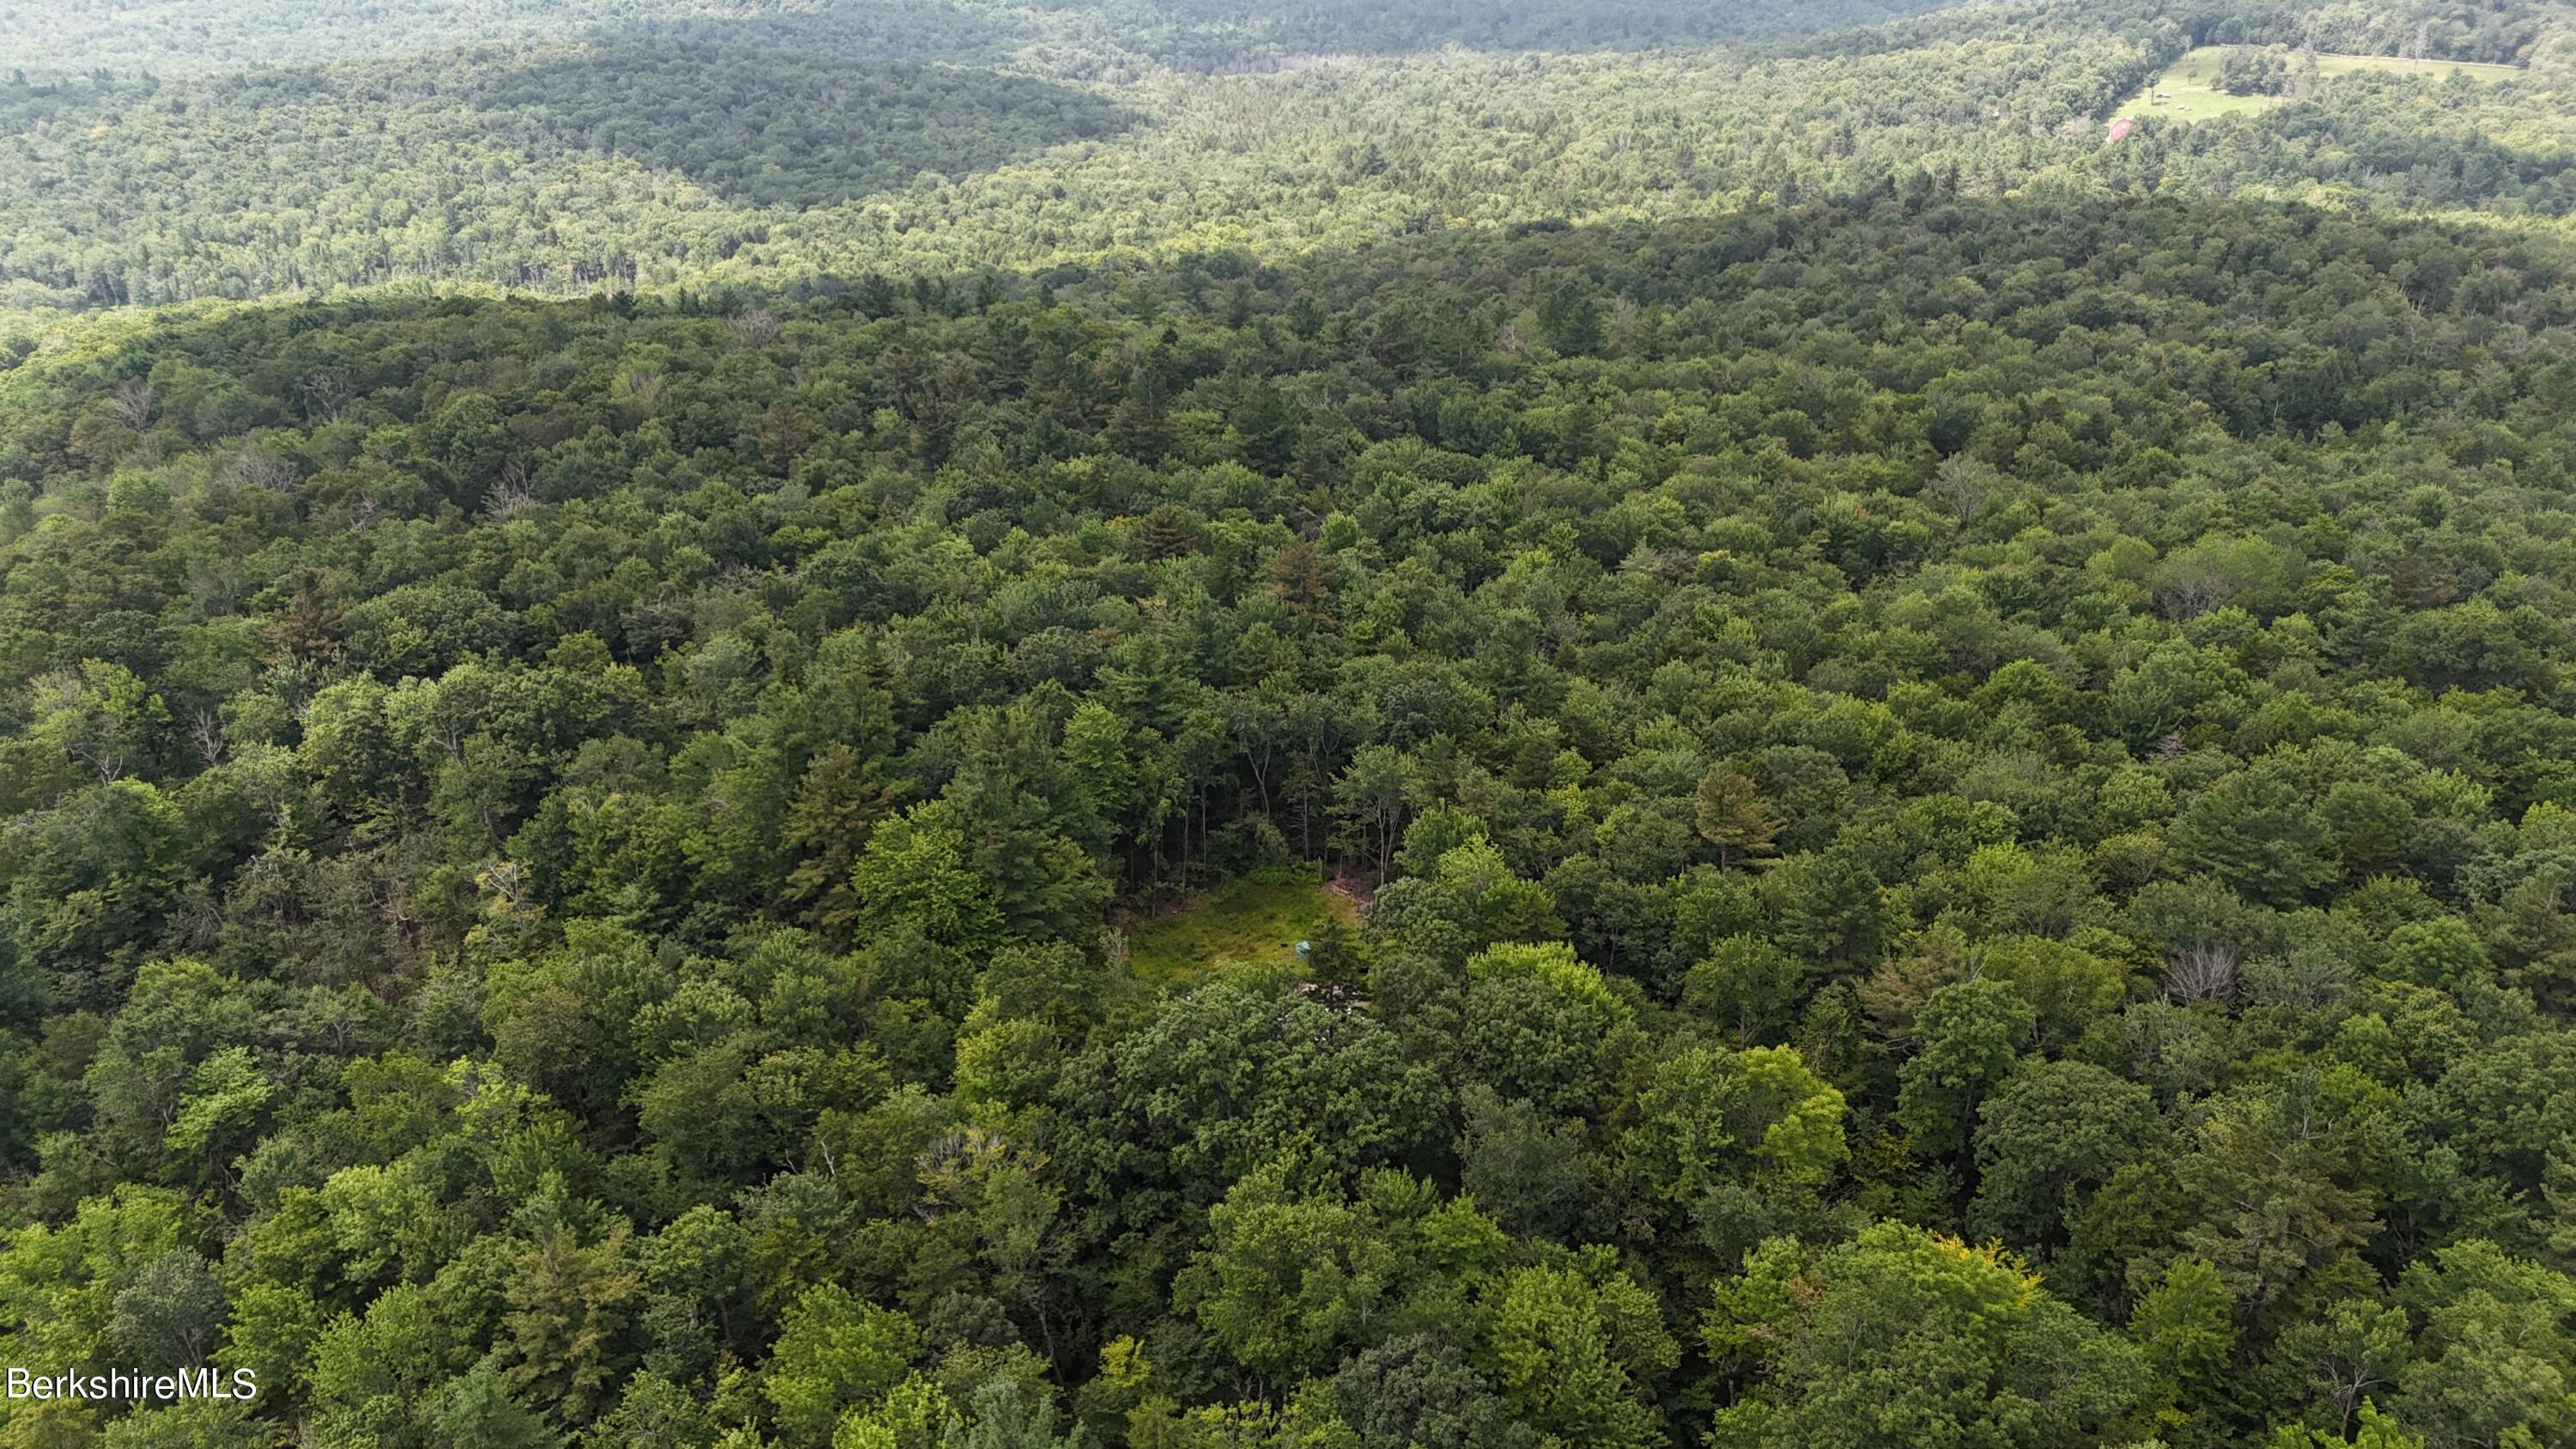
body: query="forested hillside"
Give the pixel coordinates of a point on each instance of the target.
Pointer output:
(652, 148)
(167, 37)
(1165, 724)
(1968, 808)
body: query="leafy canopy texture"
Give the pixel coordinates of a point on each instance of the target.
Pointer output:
(663, 752)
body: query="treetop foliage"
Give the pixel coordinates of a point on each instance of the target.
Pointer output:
(1934, 752)
(1923, 760)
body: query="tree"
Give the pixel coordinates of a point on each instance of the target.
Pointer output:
(2376, 1431)
(1419, 1391)
(223, 1097)
(479, 1411)
(2050, 1132)
(836, 807)
(1574, 1356)
(1748, 986)
(1267, 423)
(914, 874)
(835, 1352)
(1469, 900)
(2255, 831)
(2442, 954)
(1963, 483)
(2069, 989)
(169, 1313)
(1706, 1116)
(1731, 816)
(1337, 961)
(1288, 1280)
(1231, 1076)
(376, 1374)
(570, 1307)
(1571, 319)
(1373, 796)
(1007, 1414)
(2334, 1361)
(1299, 578)
(1905, 1337)
(2495, 1331)
(99, 717)
(1543, 1026)
(1529, 1170)
(916, 1415)
(1163, 534)
(1828, 906)
(2186, 1325)
(2278, 1182)
(1973, 1036)
(2250, 72)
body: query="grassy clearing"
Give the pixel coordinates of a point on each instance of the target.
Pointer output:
(1243, 922)
(2189, 86)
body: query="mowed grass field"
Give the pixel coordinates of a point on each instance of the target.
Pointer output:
(1245, 922)
(2190, 85)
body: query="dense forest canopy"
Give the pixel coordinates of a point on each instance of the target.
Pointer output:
(1874, 727)
(167, 37)
(673, 678)
(668, 150)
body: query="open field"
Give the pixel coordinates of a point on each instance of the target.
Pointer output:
(1255, 923)
(2187, 91)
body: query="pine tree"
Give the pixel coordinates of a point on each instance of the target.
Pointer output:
(836, 806)
(1732, 817)
(566, 1325)
(1165, 533)
(1299, 580)
(1336, 962)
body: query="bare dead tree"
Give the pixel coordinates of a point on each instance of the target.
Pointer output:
(205, 912)
(753, 329)
(504, 879)
(644, 391)
(1962, 482)
(130, 402)
(2188, 589)
(1623, 322)
(2205, 971)
(510, 494)
(326, 393)
(255, 468)
(206, 732)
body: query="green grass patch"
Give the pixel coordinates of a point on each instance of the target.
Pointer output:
(1243, 922)
(2188, 90)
